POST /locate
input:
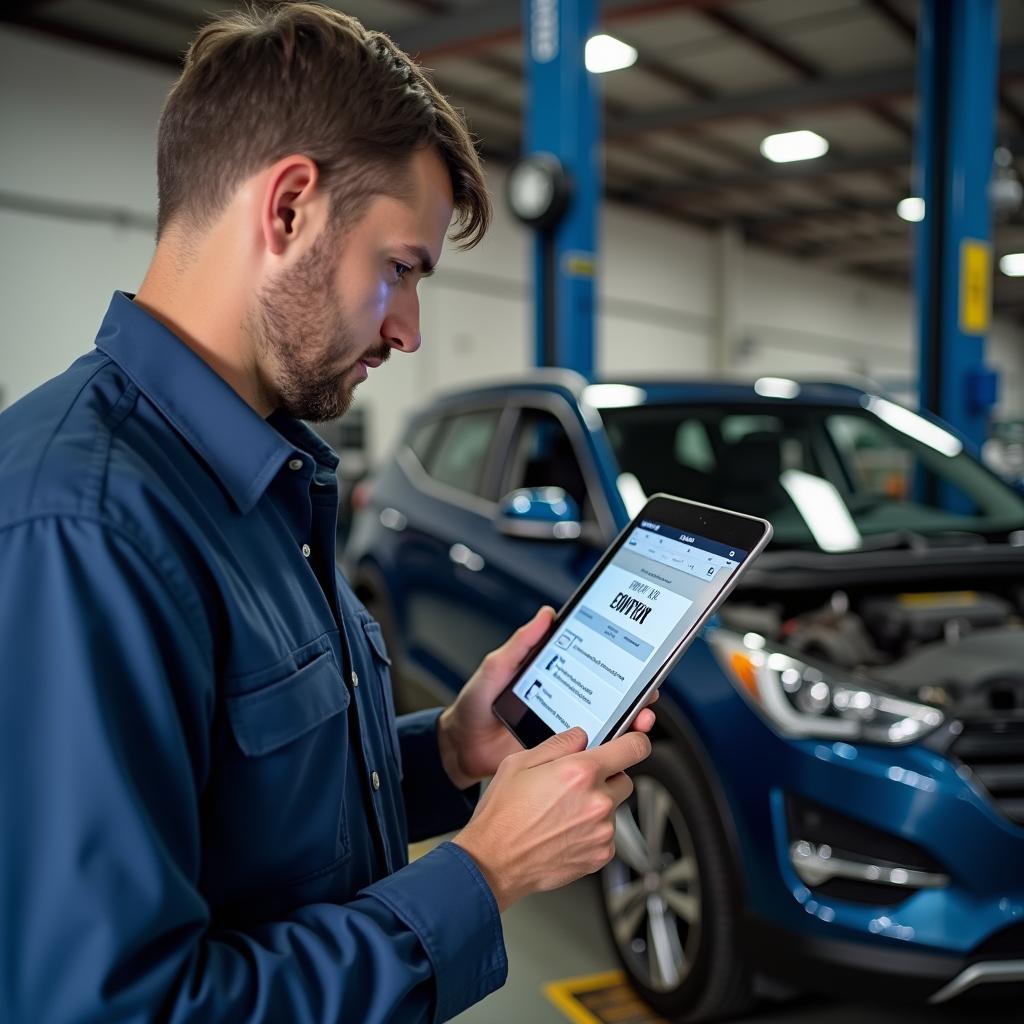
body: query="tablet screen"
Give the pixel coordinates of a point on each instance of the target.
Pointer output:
(624, 628)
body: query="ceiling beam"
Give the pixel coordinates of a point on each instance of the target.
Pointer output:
(896, 19)
(467, 30)
(894, 250)
(825, 92)
(775, 219)
(88, 37)
(769, 173)
(159, 10)
(760, 39)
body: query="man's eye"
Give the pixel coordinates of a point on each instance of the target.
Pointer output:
(400, 270)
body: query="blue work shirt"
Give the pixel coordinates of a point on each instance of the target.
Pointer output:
(203, 811)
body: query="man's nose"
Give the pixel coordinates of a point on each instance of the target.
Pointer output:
(401, 327)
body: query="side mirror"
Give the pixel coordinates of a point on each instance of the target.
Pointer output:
(539, 513)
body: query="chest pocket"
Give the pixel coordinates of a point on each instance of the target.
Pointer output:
(276, 715)
(384, 697)
(278, 809)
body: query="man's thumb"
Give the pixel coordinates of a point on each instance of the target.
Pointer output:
(562, 743)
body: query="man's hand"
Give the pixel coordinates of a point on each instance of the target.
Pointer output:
(548, 817)
(473, 742)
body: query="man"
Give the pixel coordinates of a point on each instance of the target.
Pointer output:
(206, 801)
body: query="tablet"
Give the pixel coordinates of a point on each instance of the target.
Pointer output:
(630, 620)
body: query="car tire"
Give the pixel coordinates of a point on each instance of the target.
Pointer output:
(670, 896)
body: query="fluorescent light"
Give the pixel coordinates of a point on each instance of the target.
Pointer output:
(606, 53)
(917, 427)
(788, 146)
(776, 387)
(613, 396)
(1012, 264)
(822, 509)
(911, 209)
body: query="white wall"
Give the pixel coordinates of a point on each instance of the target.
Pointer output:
(79, 126)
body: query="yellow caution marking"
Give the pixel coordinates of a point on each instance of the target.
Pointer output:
(975, 286)
(600, 999)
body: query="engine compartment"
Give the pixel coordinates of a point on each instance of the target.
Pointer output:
(958, 649)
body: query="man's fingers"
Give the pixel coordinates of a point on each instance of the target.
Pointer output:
(515, 649)
(621, 787)
(619, 754)
(554, 747)
(644, 722)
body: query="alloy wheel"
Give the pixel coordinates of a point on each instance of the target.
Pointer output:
(652, 888)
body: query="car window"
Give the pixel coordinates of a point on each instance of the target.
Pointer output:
(666, 452)
(693, 446)
(420, 439)
(543, 456)
(460, 453)
(892, 475)
(878, 468)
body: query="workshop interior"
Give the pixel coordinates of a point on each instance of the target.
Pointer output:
(762, 255)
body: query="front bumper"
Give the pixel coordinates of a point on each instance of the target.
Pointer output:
(859, 970)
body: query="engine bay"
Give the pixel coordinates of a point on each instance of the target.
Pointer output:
(957, 649)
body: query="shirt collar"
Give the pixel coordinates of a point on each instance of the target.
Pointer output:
(242, 449)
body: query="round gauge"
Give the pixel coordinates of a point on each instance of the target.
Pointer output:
(538, 190)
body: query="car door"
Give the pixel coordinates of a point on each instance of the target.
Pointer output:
(437, 596)
(544, 448)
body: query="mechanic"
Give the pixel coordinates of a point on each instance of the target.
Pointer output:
(206, 799)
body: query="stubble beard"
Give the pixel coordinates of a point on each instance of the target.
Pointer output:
(302, 338)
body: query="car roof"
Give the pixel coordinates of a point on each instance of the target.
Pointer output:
(668, 391)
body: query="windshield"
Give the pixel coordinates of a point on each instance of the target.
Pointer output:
(825, 476)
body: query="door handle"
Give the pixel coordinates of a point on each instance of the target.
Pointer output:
(467, 558)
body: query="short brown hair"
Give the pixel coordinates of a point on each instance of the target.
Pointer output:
(303, 78)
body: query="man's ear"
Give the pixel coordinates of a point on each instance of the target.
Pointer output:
(292, 205)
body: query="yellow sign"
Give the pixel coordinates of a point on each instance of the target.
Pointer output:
(975, 286)
(579, 264)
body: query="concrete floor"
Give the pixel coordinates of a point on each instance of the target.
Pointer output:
(561, 935)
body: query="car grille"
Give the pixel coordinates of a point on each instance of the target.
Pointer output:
(994, 751)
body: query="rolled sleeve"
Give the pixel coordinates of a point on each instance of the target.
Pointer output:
(434, 805)
(445, 900)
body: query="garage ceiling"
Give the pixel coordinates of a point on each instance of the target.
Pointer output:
(683, 125)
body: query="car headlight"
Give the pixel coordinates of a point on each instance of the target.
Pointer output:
(800, 699)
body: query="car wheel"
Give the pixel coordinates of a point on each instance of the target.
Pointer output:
(669, 895)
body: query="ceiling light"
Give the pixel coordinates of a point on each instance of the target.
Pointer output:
(911, 209)
(788, 146)
(1012, 264)
(606, 53)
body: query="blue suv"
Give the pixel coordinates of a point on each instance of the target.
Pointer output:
(836, 793)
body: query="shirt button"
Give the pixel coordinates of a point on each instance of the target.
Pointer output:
(375, 780)
(355, 679)
(306, 550)
(295, 464)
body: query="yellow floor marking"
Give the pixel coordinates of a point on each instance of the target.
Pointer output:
(599, 999)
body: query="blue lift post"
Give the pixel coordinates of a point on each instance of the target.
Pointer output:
(563, 119)
(958, 55)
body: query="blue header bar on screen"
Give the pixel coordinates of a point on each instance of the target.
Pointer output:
(694, 540)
